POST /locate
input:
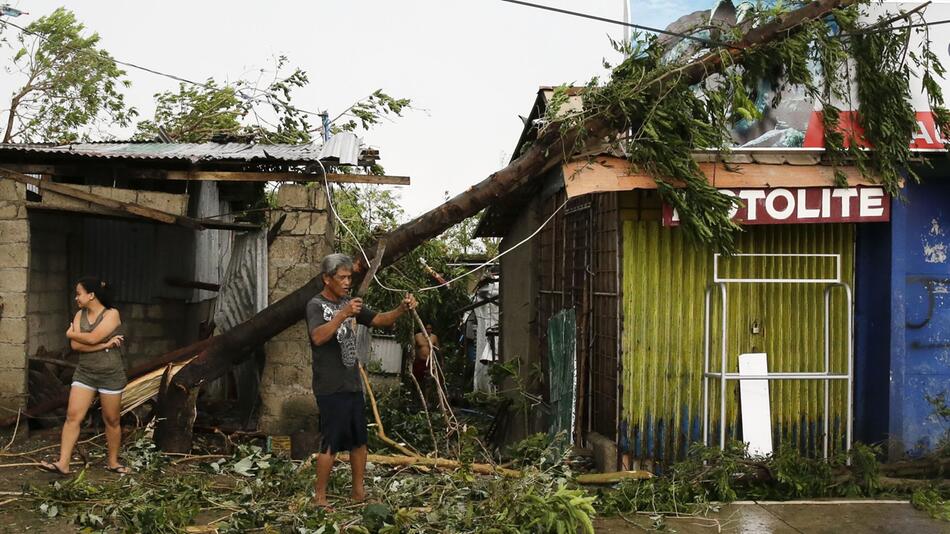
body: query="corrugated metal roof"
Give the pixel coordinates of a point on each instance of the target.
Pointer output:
(345, 147)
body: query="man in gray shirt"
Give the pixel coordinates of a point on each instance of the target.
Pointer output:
(331, 320)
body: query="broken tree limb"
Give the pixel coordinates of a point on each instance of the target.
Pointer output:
(552, 147)
(610, 478)
(483, 469)
(380, 430)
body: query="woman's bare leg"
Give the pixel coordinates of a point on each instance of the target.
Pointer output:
(111, 415)
(79, 401)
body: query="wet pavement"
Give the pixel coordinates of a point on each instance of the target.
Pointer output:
(818, 517)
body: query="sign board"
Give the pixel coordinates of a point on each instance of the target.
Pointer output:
(803, 205)
(754, 404)
(796, 121)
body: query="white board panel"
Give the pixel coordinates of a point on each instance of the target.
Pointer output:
(754, 403)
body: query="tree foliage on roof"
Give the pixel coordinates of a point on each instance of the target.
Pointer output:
(263, 110)
(667, 106)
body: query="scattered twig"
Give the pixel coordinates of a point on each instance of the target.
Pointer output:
(41, 449)
(195, 458)
(17, 427)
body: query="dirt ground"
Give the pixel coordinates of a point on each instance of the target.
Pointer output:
(852, 517)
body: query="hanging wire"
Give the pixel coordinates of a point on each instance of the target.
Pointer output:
(429, 288)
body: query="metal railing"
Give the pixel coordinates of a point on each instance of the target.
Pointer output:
(827, 376)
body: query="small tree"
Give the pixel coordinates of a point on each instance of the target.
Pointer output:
(71, 83)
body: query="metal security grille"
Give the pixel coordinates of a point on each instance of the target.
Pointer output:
(605, 319)
(579, 270)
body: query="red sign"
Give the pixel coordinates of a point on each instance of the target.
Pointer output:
(927, 136)
(803, 205)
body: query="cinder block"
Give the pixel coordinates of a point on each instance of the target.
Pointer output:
(155, 311)
(14, 231)
(135, 311)
(319, 223)
(14, 255)
(294, 196)
(10, 403)
(167, 202)
(13, 280)
(10, 190)
(12, 381)
(288, 375)
(291, 278)
(319, 196)
(115, 193)
(13, 356)
(287, 250)
(9, 209)
(14, 305)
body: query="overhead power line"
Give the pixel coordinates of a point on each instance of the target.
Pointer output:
(272, 98)
(703, 40)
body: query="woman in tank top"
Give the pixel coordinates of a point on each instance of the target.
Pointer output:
(96, 334)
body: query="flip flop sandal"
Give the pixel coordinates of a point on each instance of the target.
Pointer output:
(51, 467)
(119, 469)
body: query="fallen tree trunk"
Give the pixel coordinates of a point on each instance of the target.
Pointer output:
(552, 146)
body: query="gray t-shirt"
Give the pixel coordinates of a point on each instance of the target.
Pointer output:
(335, 367)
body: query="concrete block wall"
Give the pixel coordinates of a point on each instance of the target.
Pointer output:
(14, 276)
(50, 305)
(287, 402)
(152, 329)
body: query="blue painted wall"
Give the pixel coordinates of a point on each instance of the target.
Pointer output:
(919, 313)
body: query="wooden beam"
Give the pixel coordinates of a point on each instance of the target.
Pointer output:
(130, 208)
(613, 174)
(250, 176)
(176, 281)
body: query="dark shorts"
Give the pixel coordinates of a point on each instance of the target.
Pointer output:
(420, 369)
(342, 421)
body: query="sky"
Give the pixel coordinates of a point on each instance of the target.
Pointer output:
(469, 67)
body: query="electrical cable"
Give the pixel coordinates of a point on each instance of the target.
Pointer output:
(272, 98)
(356, 240)
(703, 40)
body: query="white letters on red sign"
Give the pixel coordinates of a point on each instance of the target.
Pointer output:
(803, 205)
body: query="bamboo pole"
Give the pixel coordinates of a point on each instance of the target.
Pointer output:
(380, 431)
(483, 469)
(610, 478)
